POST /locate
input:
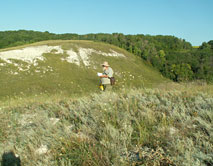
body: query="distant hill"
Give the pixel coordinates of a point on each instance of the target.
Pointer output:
(69, 67)
(173, 57)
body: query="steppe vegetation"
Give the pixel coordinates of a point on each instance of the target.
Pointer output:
(52, 112)
(165, 126)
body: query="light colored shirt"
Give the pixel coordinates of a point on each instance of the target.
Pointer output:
(109, 73)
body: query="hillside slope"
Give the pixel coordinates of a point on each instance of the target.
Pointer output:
(68, 67)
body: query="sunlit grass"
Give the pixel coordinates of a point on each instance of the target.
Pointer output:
(126, 127)
(54, 76)
(62, 118)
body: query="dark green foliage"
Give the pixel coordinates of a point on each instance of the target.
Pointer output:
(173, 57)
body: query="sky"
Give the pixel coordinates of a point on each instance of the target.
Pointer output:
(191, 20)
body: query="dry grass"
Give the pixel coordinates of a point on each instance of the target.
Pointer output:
(130, 127)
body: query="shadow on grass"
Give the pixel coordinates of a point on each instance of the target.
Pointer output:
(10, 159)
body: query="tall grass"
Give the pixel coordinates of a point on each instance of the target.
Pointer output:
(134, 127)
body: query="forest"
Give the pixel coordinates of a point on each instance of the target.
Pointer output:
(173, 57)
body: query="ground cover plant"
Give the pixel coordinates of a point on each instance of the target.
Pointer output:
(129, 127)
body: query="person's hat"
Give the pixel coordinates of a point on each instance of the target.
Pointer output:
(105, 64)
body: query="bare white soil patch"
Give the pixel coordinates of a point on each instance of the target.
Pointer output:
(3, 64)
(113, 53)
(30, 54)
(42, 150)
(72, 58)
(85, 53)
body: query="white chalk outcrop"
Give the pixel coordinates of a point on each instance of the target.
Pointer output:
(85, 53)
(72, 58)
(29, 54)
(33, 54)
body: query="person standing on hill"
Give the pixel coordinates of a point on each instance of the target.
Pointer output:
(106, 75)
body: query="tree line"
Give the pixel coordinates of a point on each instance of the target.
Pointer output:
(175, 58)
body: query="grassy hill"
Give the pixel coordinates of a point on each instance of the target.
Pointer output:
(68, 68)
(52, 112)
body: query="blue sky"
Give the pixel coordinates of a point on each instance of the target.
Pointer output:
(191, 20)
